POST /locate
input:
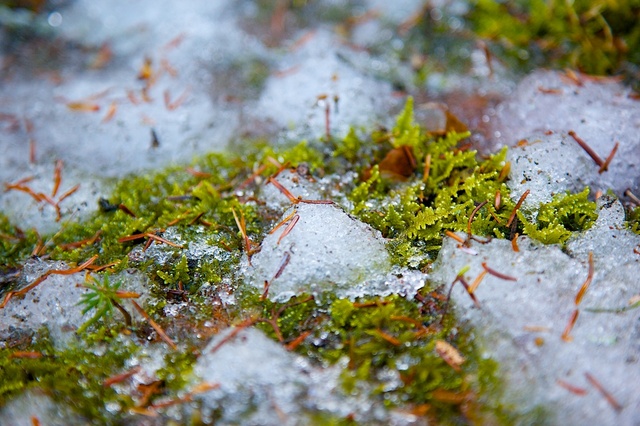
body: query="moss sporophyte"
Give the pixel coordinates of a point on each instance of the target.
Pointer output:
(187, 229)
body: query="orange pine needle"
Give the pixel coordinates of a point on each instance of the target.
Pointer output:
(567, 331)
(83, 106)
(454, 236)
(77, 244)
(44, 276)
(427, 168)
(587, 282)
(68, 193)
(389, 338)
(297, 341)
(243, 230)
(449, 354)
(285, 220)
(477, 281)
(514, 243)
(289, 227)
(111, 112)
(23, 354)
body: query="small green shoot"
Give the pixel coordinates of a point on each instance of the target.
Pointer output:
(102, 298)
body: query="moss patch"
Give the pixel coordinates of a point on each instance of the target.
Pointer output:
(412, 185)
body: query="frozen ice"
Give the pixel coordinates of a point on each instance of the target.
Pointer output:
(521, 323)
(21, 410)
(608, 238)
(305, 187)
(326, 250)
(314, 77)
(204, 56)
(548, 165)
(260, 382)
(54, 303)
(601, 112)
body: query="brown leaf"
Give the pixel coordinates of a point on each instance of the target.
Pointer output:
(398, 164)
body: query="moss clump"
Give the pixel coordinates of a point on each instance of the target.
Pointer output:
(73, 376)
(15, 243)
(388, 347)
(411, 185)
(557, 220)
(597, 37)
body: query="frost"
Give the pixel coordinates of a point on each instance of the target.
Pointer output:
(326, 250)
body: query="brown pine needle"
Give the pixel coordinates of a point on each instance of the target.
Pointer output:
(155, 326)
(498, 274)
(571, 388)
(119, 378)
(289, 228)
(596, 158)
(610, 399)
(587, 282)
(473, 215)
(389, 338)
(605, 165)
(285, 191)
(517, 206)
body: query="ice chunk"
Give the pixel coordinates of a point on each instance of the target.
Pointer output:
(548, 165)
(262, 383)
(601, 112)
(521, 323)
(326, 250)
(34, 404)
(313, 79)
(54, 303)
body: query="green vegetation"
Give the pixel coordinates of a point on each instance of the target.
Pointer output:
(412, 185)
(73, 376)
(596, 37)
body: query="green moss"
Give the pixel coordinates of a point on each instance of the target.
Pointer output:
(597, 37)
(15, 243)
(73, 376)
(557, 220)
